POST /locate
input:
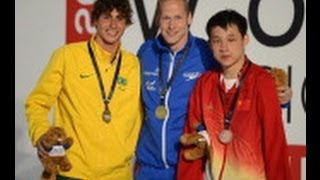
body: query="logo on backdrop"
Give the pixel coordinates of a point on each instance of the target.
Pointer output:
(280, 40)
(78, 20)
(79, 26)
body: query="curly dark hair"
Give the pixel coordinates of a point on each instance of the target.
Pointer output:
(104, 6)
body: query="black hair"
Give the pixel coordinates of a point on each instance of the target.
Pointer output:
(226, 18)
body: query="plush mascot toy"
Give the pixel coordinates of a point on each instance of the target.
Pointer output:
(55, 142)
(280, 76)
(197, 143)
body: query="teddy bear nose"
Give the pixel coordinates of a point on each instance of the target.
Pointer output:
(59, 140)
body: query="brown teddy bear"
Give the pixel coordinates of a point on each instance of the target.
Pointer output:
(198, 144)
(280, 76)
(55, 142)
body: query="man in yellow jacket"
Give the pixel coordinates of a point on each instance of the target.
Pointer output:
(94, 89)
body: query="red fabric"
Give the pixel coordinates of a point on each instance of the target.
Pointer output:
(259, 149)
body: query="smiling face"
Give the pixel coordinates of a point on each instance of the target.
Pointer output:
(110, 27)
(174, 21)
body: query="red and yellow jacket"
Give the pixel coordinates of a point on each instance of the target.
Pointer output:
(258, 150)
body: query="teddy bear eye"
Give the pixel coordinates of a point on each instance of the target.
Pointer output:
(46, 148)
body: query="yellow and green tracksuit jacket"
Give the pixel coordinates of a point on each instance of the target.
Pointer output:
(70, 86)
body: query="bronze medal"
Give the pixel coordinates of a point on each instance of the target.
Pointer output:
(161, 112)
(106, 115)
(226, 136)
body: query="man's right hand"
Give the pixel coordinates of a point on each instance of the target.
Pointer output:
(41, 151)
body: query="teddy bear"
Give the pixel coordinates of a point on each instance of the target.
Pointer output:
(280, 76)
(55, 142)
(197, 143)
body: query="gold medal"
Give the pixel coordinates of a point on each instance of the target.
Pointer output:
(225, 136)
(106, 115)
(161, 112)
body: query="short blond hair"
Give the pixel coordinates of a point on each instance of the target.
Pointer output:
(160, 2)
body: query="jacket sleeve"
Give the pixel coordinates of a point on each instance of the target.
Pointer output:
(131, 140)
(43, 96)
(275, 148)
(192, 170)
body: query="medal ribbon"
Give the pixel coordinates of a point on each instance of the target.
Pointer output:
(164, 90)
(106, 100)
(229, 114)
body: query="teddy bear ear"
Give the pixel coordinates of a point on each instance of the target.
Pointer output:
(68, 143)
(66, 146)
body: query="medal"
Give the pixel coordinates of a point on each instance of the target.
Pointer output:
(225, 136)
(161, 112)
(106, 115)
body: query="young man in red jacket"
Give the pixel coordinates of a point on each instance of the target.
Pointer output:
(237, 110)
